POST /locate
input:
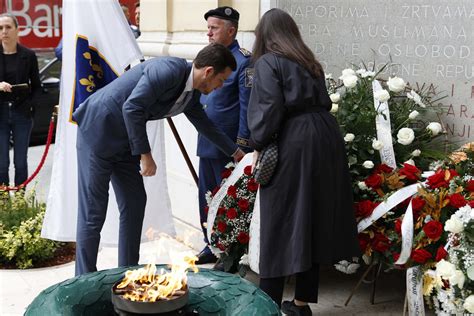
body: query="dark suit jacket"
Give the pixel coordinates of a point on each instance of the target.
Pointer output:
(27, 73)
(113, 119)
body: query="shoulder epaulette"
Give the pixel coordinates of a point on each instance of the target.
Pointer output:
(245, 52)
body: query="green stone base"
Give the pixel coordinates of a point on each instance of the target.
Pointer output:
(210, 293)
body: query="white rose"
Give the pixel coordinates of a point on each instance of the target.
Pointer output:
(405, 136)
(347, 72)
(365, 73)
(416, 153)
(328, 76)
(350, 81)
(396, 84)
(410, 162)
(445, 269)
(377, 144)
(382, 95)
(469, 304)
(362, 185)
(349, 137)
(334, 108)
(454, 225)
(413, 115)
(335, 97)
(458, 278)
(416, 98)
(368, 164)
(435, 128)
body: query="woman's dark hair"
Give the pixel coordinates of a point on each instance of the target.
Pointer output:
(217, 56)
(11, 16)
(277, 33)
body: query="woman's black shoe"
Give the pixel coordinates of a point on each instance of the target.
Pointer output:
(289, 308)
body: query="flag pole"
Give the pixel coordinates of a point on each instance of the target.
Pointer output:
(183, 149)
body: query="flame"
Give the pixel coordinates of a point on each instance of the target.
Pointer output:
(146, 285)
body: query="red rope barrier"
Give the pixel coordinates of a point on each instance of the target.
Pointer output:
(45, 153)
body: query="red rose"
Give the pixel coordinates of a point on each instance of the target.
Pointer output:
(471, 203)
(398, 226)
(410, 172)
(206, 209)
(365, 208)
(380, 243)
(470, 186)
(248, 170)
(221, 226)
(220, 246)
(252, 185)
(243, 237)
(441, 253)
(374, 181)
(363, 241)
(231, 213)
(417, 204)
(221, 211)
(243, 205)
(232, 191)
(433, 229)
(456, 200)
(383, 168)
(215, 190)
(226, 173)
(420, 255)
(441, 178)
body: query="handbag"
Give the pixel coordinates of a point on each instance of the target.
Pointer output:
(266, 163)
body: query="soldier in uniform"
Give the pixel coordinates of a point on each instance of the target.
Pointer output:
(227, 108)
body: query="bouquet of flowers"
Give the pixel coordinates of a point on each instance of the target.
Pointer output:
(449, 287)
(230, 232)
(360, 99)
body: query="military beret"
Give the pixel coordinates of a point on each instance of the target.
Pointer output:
(226, 13)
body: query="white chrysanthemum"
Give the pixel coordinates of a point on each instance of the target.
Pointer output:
(396, 84)
(377, 144)
(382, 95)
(416, 153)
(405, 136)
(413, 115)
(368, 164)
(335, 97)
(435, 128)
(349, 137)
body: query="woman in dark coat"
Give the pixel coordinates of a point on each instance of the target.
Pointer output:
(18, 65)
(307, 217)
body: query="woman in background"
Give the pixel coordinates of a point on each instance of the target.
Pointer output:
(307, 217)
(18, 65)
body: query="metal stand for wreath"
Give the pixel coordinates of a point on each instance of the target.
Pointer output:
(375, 275)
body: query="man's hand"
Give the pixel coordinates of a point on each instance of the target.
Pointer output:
(254, 160)
(238, 155)
(148, 168)
(5, 87)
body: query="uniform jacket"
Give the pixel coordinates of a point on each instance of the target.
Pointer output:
(113, 120)
(27, 73)
(227, 106)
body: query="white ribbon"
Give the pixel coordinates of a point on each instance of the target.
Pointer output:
(384, 130)
(414, 292)
(217, 199)
(407, 235)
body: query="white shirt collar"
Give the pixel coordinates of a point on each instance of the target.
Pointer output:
(189, 82)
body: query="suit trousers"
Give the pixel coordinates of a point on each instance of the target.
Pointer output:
(94, 175)
(306, 287)
(210, 176)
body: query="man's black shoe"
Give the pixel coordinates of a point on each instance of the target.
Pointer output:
(206, 256)
(289, 308)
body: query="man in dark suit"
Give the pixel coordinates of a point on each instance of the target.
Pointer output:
(112, 141)
(227, 108)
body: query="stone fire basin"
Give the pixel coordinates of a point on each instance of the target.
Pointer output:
(210, 293)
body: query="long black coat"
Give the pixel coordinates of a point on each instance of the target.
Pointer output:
(306, 209)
